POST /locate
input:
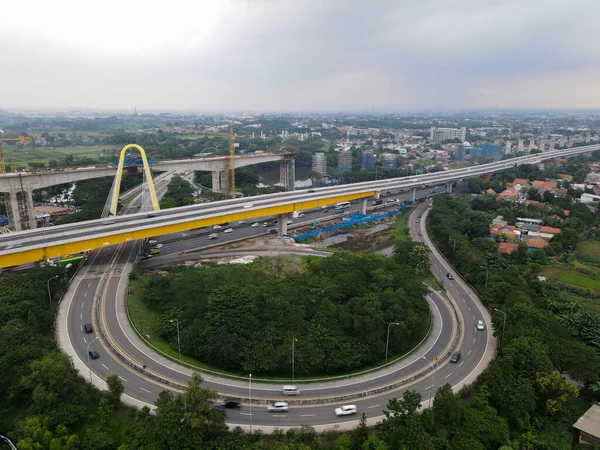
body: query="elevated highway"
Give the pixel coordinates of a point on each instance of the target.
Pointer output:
(34, 245)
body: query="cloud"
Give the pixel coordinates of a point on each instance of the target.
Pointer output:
(300, 54)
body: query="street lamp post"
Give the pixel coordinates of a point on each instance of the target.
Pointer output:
(454, 251)
(487, 273)
(387, 342)
(432, 380)
(503, 327)
(178, 341)
(417, 268)
(293, 356)
(49, 294)
(250, 395)
(89, 362)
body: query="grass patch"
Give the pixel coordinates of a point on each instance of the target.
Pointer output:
(401, 229)
(589, 252)
(21, 155)
(579, 280)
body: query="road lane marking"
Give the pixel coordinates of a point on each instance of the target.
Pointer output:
(464, 300)
(474, 340)
(245, 414)
(82, 304)
(84, 341)
(447, 375)
(427, 388)
(469, 308)
(90, 283)
(469, 352)
(81, 316)
(122, 378)
(85, 294)
(81, 327)
(474, 318)
(307, 415)
(105, 366)
(146, 390)
(461, 364)
(374, 406)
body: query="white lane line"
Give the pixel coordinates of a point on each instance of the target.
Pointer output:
(469, 308)
(82, 304)
(279, 415)
(81, 327)
(101, 260)
(474, 340)
(146, 390)
(84, 341)
(90, 283)
(474, 318)
(464, 300)
(427, 388)
(374, 406)
(122, 378)
(469, 352)
(105, 367)
(245, 414)
(81, 316)
(461, 364)
(307, 415)
(85, 294)
(447, 375)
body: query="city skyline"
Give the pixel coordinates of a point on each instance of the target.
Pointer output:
(260, 55)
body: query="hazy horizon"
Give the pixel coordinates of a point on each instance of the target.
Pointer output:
(300, 56)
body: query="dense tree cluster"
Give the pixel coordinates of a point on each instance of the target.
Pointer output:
(244, 317)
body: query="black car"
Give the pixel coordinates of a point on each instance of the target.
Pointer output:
(455, 357)
(94, 354)
(88, 328)
(232, 403)
(450, 276)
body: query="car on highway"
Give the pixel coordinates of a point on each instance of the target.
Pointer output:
(265, 224)
(232, 403)
(290, 389)
(159, 245)
(213, 236)
(249, 205)
(450, 276)
(272, 231)
(480, 325)
(301, 215)
(88, 328)
(154, 251)
(228, 230)
(93, 354)
(346, 410)
(418, 221)
(325, 210)
(420, 234)
(289, 222)
(455, 357)
(153, 241)
(216, 227)
(241, 222)
(255, 224)
(277, 407)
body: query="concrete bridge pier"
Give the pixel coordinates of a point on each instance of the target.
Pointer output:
(218, 180)
(413, 194)
(282, 224)
(449, 188)
(14, 209)
(362, 205)
(30, 213)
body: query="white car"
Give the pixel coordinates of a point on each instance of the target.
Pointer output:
(255, 224)
(301, 215)
(216, 227)
(346, 410)
(228, 230)
(241, 222)
(159, 245)
(277, 406)
(153, 241)
(289, 222)
(249, 205)
(213, 236)
(480, 325)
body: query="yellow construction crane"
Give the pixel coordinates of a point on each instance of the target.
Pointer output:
(231, 163)
(20, 138)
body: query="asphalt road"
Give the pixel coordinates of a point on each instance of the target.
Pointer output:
(138, 387)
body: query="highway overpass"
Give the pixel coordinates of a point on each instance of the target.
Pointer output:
(27, 182)
(34, 245)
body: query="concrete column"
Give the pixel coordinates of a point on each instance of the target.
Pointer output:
(30, 213)
(413, 194)
(449, 188)
(218, 179)
(14, 208)
(282, 224)
(362, 205)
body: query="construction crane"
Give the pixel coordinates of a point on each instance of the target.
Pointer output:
(20, 138)
(231, 163)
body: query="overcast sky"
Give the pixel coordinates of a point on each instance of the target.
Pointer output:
(299, 55)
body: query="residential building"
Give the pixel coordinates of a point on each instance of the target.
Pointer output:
(589, 426)
(441, 134)
(367, 160)
(388, 160)
(345, 161)
(508, 147)
(535, 243)
(546, 185)
(319, 163)
(588, 198)
(520, 146)
(506, 247)
(490, 151)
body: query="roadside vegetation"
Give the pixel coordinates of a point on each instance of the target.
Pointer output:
(245, 317)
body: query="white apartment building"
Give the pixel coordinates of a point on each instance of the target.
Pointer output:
(441, 134)
(319, 163)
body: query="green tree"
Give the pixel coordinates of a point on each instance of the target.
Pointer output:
(115, 389)
(555, 391)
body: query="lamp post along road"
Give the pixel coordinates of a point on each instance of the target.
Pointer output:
(503, 327)
(250, 395)
(178, 341)
(387, 342)
(454, 251)
(48, 284)
(293, 357)
(89, 362)
(487, 273)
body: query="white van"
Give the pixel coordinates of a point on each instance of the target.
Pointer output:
(290, 390)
